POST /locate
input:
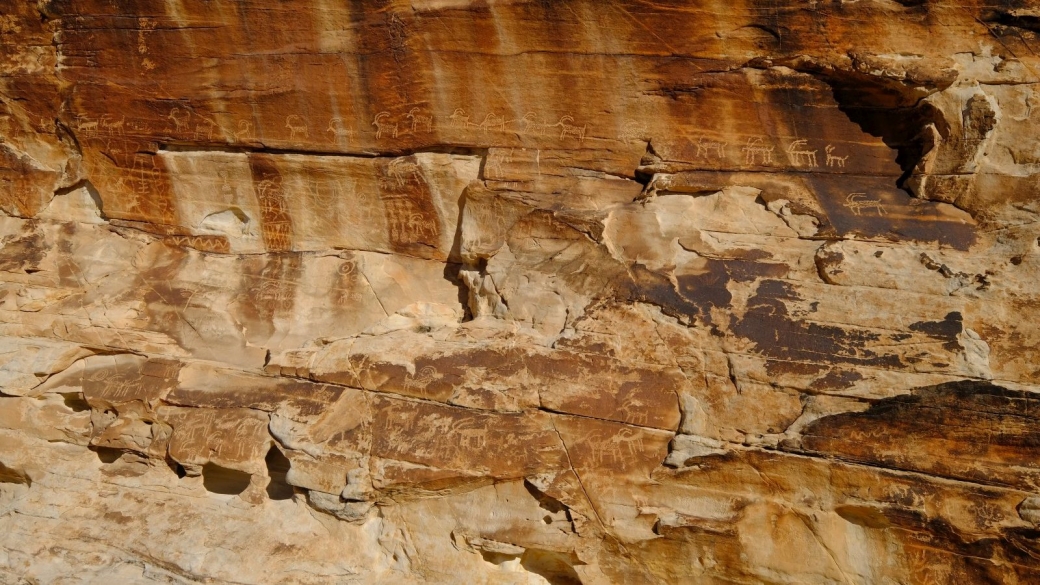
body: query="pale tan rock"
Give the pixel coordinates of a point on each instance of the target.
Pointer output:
(447, 291)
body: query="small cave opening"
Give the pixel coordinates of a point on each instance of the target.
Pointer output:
(107, 454)
(75, 401)
(555, 567)
(277, 467)
(222, 480)
(176, 468)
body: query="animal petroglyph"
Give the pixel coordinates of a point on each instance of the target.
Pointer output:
(399, 173)
(800, 155)
(833, 160)
(470, 436)
(296, 125)
(204, 128)
(421, 379)
(710, 148)
(531, 125)
(857, 202)
(419, 122)
(383, 125)
(756, 152)
(87, 127)
(180, 118)
(245, 130)
(634, 411)
(339, 130)
(459, 119)
(628, 441)
(113, 126)
(492, 121)
(567, 128)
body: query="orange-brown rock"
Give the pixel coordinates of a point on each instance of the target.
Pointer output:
(534, 292)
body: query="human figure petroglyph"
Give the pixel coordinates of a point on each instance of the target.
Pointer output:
(180, 118)
(297, 125)
(227, 192)
(857, 202)
(406, 222)
(339, 130)
(567, 128)
(706, 148)
(419, 121)
(756, 150)
(459, 119)
(383, 125)
(497, 159)
(833, 160)
(800, 154)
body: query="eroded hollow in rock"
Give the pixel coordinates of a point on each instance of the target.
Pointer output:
(554, 567)
(75, 401)
(107, 454)
(9, 475)
(890, 111)
(277, 466)
(221, 480)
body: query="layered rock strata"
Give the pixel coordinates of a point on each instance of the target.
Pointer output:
(519, 292)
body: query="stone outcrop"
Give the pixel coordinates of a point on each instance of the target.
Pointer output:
(519, 292)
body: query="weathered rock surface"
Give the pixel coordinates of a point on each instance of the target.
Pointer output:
(519, 292)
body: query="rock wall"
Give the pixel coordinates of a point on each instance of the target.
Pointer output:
(519, 291)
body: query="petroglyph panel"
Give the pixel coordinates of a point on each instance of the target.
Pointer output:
(554, 292)
(300, 203)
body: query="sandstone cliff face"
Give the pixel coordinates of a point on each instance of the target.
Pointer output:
(519, 291)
